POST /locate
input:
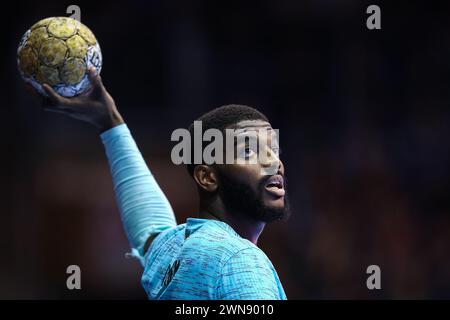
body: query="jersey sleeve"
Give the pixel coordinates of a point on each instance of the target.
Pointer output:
(248, 275)
(144, 209)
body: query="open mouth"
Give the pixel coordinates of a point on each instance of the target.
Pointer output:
(275, 186)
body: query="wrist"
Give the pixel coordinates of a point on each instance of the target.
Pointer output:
(112, 121)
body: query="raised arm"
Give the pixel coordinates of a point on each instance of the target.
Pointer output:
(144, 209)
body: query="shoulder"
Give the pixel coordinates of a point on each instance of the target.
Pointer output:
(249, 258)
(166, 237)
(249, 274)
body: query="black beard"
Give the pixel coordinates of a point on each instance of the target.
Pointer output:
(239, 197)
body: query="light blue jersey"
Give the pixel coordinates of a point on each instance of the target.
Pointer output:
(201, 259)
(207, 259)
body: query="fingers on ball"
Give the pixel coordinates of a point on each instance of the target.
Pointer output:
(56, 99)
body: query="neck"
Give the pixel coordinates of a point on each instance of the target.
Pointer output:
(245, 226)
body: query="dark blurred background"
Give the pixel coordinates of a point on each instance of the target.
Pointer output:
(364, 125)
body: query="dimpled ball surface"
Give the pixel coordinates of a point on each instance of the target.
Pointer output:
(58, 51)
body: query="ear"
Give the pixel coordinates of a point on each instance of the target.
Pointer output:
(206, 177)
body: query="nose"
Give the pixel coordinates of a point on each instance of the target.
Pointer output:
(271, 163)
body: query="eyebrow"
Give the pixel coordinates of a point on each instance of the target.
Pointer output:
(254, 128)
(235, 141)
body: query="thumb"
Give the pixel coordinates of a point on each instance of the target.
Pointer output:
(96, 80)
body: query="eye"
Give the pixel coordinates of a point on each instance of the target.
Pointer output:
(247, 152)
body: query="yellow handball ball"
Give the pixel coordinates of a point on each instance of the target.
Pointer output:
(59, 51)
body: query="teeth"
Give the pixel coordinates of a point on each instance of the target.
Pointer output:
(277, 185)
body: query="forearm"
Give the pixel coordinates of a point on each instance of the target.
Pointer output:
(144, 209)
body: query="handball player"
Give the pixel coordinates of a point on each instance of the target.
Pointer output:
(212, 256)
